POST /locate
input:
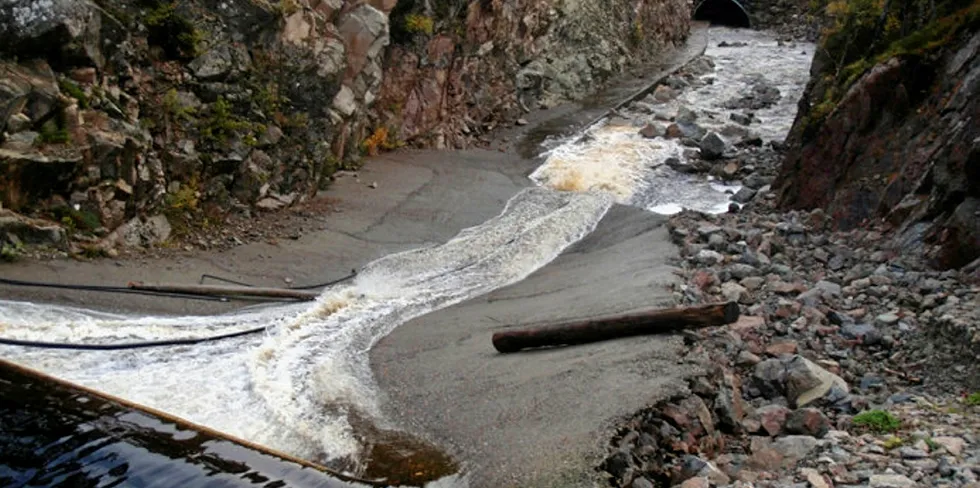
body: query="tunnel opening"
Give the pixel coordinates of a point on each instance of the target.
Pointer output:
(723, 12)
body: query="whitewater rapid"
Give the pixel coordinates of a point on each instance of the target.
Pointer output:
(292, 387)
(613, 157)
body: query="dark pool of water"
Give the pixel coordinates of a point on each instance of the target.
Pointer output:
(54, 435)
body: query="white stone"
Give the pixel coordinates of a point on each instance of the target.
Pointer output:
(344, 101)
(890, 481)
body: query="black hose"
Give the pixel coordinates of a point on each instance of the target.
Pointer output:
(352, 274)
(225, 280)
(127, 345)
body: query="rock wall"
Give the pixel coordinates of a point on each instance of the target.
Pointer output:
(459, 68)
(115, 110)
(895, 134)
(110, 110)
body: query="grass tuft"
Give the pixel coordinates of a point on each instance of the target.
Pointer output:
(878, 421)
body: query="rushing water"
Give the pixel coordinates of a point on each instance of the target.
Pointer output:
(293, 387)
(615, 158)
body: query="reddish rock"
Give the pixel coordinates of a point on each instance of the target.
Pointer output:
(807, 421)
(87, 76)
(892, 147)
(784, 288)
(678, 416)
(858, 313)
(764, 457)
(651, 131)
(704, 279)
(729, 404)
(695, 405)
(696, 482)
(780, 348)
(771, 418)
(747, 323)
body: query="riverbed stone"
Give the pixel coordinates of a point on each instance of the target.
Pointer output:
(712, 146)
(807, 382)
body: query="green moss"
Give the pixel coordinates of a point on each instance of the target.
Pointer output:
(74, 91)
(11, 252)
(419, 24)
(221, 124)
(76, 220)
(973, 399)
(174, 33)
(173, 108)
(893, 442)
(287, 7)
(878, 421)
(636, 33)
(54, 132)
(267, 97)
(864, 34)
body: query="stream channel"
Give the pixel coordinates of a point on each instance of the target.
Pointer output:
(298, 387)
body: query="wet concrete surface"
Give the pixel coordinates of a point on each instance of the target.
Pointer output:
(532, 419)
(422, 198)
(539, 418)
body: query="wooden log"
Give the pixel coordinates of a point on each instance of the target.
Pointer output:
(604, 328)
(221, 290)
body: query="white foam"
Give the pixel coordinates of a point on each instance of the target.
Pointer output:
(290, 388)
(618, 160)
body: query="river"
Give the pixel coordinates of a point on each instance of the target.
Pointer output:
(294, 387)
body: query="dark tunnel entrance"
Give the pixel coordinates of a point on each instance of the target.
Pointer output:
(724, 12)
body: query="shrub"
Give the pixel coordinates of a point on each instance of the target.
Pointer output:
(11, 252)
(221, 124)
(379, 140)
(973, 399)
(174, 33)
(878, 421)
(419, 24)
(74, 91)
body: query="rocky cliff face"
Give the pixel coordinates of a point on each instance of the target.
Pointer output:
(114, 110)
(891, 130)
(111, 111)
(457, 68)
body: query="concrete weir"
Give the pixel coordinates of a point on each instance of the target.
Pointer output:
(538, 418)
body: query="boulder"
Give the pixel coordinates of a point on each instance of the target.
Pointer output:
(808, 421)
(769, 377)
(220, 63)
(17, 229)
(27, 178)
(62, 31)
(136, 232)
(729, 405)
(29, 94)
(688, 130)
(712, 146)
(651, 131)
(771, 418)
(807, 382)
(251, 182)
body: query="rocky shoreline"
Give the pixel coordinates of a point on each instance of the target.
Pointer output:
(853, 364)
